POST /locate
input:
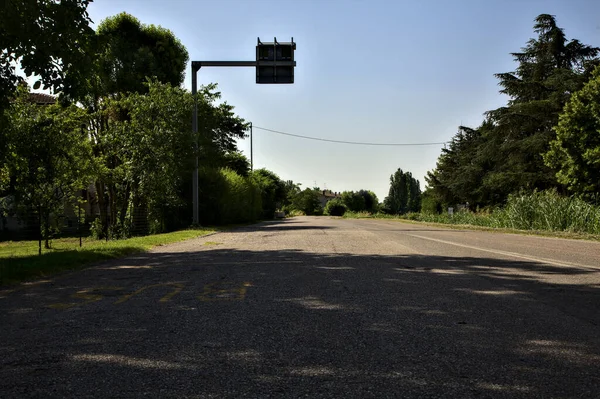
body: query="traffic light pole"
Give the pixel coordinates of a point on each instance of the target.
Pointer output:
(196, 65)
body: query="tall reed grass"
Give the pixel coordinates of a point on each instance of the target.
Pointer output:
(541, 211)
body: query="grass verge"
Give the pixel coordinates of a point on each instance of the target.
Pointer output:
(19, 260)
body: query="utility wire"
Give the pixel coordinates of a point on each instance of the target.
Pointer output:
(344, 142)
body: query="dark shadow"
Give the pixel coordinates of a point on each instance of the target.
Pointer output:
(279, 225)
(219, 322)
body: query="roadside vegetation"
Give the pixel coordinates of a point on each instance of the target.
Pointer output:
(544, 211)
(533, 164)
(118, 142)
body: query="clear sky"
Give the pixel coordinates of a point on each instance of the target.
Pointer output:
(376, 71)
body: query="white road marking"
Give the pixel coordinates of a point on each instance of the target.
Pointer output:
(512, 254)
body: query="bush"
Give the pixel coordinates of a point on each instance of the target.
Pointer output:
(335, 207)
(308, 202)
(226, 197)
(354, 202)
(241, 201)
(272, 191)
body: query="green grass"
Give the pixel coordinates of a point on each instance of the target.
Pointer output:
(19, 260)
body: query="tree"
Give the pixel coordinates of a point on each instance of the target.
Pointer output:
(49, 158)
(549, 69)
(371, 200)
(272, 191)
(355, 202)
(130, 52)
(335, 207)
(48, 38)
(504, 155)
(404, 195)
(308, 202)
(237, 162)
(575, 152)
(156, 143)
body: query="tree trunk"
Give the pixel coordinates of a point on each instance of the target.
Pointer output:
(102, 205)
(46, 230)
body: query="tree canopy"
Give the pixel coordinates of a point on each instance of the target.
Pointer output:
(504, 155)
(48, 38)
(575, 152)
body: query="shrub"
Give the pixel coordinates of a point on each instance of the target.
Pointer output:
(308, 202)
(241, 201)
(226, 197)
(335, 207)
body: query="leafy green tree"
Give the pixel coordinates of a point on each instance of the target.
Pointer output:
(48, 38)
(129, 52)
(371, 200)
(157, 141)
(272, 191)
(549, 68)
(575, 152)
(335, 207)
(291, 189)
(354, 201)
(237, 162)
(308, 202)
(49, 159)
(504, 155)
(404, 195)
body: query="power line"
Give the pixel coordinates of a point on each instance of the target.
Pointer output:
(344, 142)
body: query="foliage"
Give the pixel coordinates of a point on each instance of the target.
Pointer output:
(241, 201)
(575, 152)
(363, 200)
(483, 166)
(353, 201)
(273, 191)
(405, 193)
(371, 200)
(48, 38)
(430, 203)
(237, 162)
(49, 159)
(335, 207)
(130, 52)
(226, 197)
(291, 190)
(308, 202)
(539, 211)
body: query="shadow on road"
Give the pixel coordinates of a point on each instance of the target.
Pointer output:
(225, 323)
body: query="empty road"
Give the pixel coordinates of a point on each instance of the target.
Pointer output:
(319, 308)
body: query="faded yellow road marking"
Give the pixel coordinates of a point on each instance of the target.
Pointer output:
(224, 291)
(86, 295)
(166, 298)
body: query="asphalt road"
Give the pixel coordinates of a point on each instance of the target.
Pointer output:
(315, 307)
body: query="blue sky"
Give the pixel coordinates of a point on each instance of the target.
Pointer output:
(376, 71)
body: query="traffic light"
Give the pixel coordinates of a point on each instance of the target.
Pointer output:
(275, 62)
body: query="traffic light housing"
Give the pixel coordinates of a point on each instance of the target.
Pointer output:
(275, 62)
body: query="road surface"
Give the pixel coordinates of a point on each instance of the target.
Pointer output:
(315, 307)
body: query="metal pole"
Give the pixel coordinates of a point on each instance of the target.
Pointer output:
(196, 219)
(251, 154)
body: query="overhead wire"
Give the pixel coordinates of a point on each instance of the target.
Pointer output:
(343, 141)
